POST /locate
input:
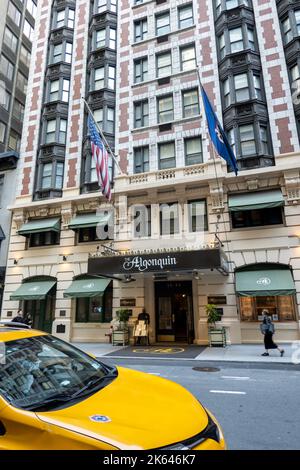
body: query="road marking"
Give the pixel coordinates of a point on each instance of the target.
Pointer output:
(231, 377)
(228, 391)
(154, 373)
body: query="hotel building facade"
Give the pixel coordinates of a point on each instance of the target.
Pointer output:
(186, 232)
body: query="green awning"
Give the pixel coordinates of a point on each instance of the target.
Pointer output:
(33, 290)
(40, 225)
(88, 220)
(257, 200)
(266, 282)
(87, 288)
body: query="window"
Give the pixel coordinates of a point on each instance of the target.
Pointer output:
(141, 221)
(65, 90)
(100, 38)
(287, 30)
(111, 77)
(141, 113)
(56, 131)
(18, 110)
(92, 234)
(28, 30)
(241, 86)
(4, 97)
(257, 87)
(2, 132)
(190, 101)
(44, 239)
(247, 140)
(110, 122)
(165, 109)
(60, 18)
(95, 309)
(297, 18)
(103, 5)
(236, 40)
(59, 90)
(99, 78)
(52, 175)
(14, 14)
(231, 140)
(188, 58)
(65, 18)
(162, 23)
(50, 131)
(141, 159)
(169, 219)
(222, 5)
(54, 90)
(226, 92)
(140, 70)
(167, 158)
(295, 74)
(22, 82)
(164, 64)
(185, 16)
(112, 38)
(282, 307)
(140, 30)
(71, 18)
(264, 140)
(14, 141)
(197, 214)
(193, 151)
(6, 67)
(25, 55)
(62, 52)
(105, 118)
(222, 46)
(10, 39)
(62, 131)
(31, 7)
(257, 218)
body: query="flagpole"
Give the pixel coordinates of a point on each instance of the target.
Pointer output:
(103, 138)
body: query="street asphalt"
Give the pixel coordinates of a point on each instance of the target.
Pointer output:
(257, 405)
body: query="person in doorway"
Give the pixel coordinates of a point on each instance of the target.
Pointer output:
(267, 328)
(22, 318)
(145, 317)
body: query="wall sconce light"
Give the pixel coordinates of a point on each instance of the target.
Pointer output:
(64, 258)
(15, 262)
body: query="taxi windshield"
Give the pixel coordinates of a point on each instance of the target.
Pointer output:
(43, 372)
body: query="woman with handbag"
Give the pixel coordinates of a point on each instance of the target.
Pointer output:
(267, 328)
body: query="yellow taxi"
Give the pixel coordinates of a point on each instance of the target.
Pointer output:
(54, 396)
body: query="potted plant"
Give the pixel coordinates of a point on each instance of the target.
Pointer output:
(120, 334)
(217, 335)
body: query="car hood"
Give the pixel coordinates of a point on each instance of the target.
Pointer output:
(143, 411)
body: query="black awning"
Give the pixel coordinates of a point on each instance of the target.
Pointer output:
(185, 260)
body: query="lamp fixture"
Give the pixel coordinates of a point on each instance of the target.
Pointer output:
(128, 278)
(15, 262)
(65, 258)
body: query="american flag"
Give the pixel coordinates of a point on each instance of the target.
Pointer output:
(100, 156)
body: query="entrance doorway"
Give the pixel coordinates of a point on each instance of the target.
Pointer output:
(174, 312)
(42, 312)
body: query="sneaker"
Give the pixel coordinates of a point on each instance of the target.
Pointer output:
(265, 354)
(282, 352)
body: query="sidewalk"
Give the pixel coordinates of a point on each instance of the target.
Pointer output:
(233, 353)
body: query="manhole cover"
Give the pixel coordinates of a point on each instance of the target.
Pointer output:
(206, 369)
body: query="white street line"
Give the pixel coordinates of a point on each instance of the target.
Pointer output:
(153, 373)
(234, 378)
(228, 391)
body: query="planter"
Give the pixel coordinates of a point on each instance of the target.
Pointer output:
(120, 337)
(217, 336)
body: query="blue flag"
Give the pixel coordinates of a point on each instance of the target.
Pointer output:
(217, 134)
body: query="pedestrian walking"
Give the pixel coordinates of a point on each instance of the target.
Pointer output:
(267, 328)
(22, 318)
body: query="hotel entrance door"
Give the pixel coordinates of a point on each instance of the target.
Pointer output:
(174, 311)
